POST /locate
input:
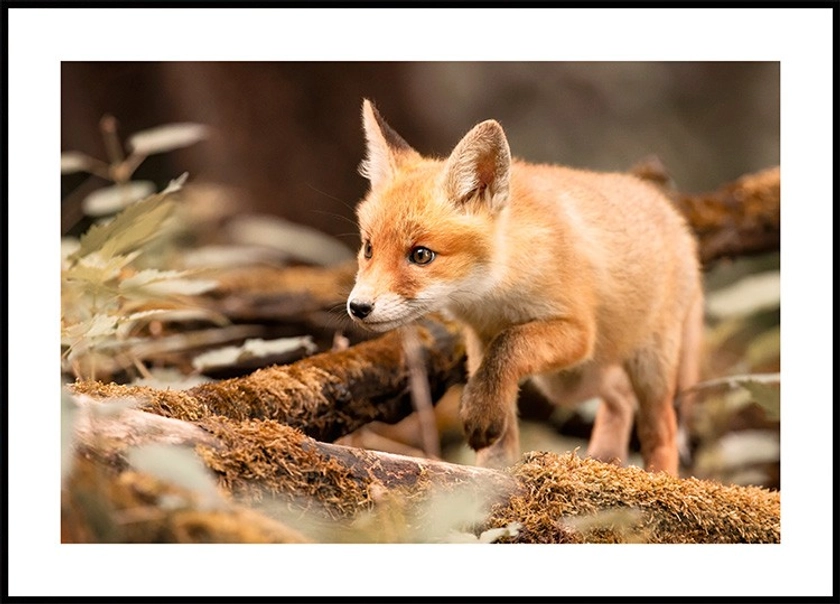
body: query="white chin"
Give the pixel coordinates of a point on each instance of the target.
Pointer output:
(381, 326)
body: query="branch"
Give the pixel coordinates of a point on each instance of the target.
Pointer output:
(326, 395)
(739, 219)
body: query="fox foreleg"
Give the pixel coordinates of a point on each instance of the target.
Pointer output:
(488, 403)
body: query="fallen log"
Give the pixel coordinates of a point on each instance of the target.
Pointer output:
(545, 498)
(738, 219)
(568, 499)
(326, 395)
(100, 504)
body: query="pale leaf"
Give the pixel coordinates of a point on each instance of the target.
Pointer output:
(176, 184)
(767, 396)
(87, 285)
(74, 161)
(143, 314)
(177, 465)
(300, 242)
(252, 349)
(136, 225)
(68, 420)
(166, 138)
(748, 295)
(224, 256)
(69, 245)
(156, 282)
(493, 535)
(108, 200)
(185, 314)
(765, 348)
(740, 448)
(183, 287)
(735, 381)
(737, 399)
(165, 314)
(97, 270)
(162, 378)
(114, 406)
(448, 512)
(99, 326)
(460, 537)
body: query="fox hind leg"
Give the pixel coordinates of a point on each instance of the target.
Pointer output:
(653, 374)
(610, 438)
(689, 372)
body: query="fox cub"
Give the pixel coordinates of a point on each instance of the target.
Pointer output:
(587, 283)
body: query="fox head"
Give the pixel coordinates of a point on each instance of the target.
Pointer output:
(428, 226)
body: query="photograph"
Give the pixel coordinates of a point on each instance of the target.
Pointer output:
(252, 240)
(367, 303)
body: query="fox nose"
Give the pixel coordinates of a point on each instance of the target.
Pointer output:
(360, 309)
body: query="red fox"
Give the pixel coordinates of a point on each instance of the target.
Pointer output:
(587, 283)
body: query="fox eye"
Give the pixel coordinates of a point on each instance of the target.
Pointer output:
(421, 255)
(368, 249)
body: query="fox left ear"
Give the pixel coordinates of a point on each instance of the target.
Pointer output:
(479, 167)
(385, 148)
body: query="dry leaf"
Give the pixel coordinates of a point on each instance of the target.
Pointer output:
(253, 349)
(112, 199)
(136, 225)
(166, 138)
(177, 465)
(162, 283)
(746, 296)
(74, 161)
(295, 240)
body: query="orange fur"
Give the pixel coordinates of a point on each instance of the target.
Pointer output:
(586, 282)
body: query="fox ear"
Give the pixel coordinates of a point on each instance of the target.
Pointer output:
(479, 167)
(385, 148)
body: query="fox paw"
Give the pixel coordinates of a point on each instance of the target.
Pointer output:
(484, 421)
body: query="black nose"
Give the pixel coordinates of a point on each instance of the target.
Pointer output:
(360, 309)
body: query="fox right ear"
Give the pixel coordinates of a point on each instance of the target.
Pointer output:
(385, 148)
(479, 167)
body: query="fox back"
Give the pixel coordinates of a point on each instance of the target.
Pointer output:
(560, 274)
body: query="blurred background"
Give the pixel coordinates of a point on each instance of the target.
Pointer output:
(285, 139)
(288, 136)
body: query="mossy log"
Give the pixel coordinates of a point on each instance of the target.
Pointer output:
(549, 498)
(104, 504)
(327, 395)
(738, 219)
(568, 499)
